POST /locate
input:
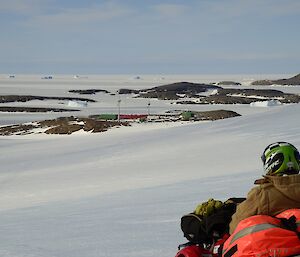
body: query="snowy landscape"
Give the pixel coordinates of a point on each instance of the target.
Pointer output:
(122, 192)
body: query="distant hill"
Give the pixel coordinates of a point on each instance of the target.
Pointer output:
(171, 91)
(291, 81)
(229, 83)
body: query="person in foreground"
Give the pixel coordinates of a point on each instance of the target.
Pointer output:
(265, 224)
(278, 190)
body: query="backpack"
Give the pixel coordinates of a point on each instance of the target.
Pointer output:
(264, 236)
(207, 227)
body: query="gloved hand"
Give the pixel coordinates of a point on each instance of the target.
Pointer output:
(208, 207)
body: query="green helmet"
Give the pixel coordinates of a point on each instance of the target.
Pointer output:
(281, 158)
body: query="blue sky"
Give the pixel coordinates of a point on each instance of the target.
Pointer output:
(150, 36)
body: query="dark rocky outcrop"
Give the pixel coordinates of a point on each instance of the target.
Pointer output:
(220, 99)
(229, 83)
(172, 91)
(177, 91)
(88, 91)
(69, 125)
(261, 94)
(128, 91)
(23, 129)
(26, 98)
(290, 81)
(269, 93)
(63, 125)
(33, 109)
(181, 87)
(244, 96)
(264, 82)
(216, 115)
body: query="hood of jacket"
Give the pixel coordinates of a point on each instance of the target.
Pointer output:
(287, 185)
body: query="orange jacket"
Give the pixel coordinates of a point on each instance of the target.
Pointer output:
(264, 236)
(273, 195)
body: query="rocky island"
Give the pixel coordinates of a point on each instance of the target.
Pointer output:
(172, 91)
(293, 81)
(193, 93)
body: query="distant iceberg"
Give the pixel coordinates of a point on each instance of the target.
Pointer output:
(266, 103)
(73, 103)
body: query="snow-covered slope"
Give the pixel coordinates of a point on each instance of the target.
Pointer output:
(122, 193)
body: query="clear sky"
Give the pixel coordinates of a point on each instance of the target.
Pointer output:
(149, 36)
